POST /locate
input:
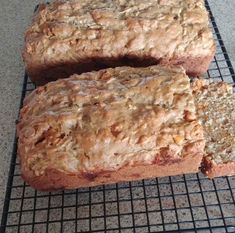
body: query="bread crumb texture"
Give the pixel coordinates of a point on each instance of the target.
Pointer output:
(215, 104)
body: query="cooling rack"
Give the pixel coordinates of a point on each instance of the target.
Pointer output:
(186, 203)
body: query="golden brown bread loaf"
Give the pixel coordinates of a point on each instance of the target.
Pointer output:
(109, 126)
(77, 36)
(215, 103)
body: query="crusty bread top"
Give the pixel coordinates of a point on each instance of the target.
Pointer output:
(70, 31)
(215, 103)
(108, 119)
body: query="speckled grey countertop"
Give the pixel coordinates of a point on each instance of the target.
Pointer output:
(15, 15)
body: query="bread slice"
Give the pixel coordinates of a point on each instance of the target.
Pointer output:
(68, 37)
(110, 126)
(215, 103)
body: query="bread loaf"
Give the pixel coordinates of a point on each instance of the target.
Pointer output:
(68, 37)
(215, 103)
(109, 126)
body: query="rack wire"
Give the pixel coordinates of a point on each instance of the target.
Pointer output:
(186, 203)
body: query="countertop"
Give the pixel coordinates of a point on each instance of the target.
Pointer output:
(15, 15)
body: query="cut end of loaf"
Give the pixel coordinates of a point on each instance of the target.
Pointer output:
(215, 104)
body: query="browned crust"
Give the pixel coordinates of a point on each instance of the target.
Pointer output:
(42, 74)
(58, 180)
(212, 170)
(195, 66)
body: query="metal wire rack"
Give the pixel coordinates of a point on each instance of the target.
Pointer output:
(187, 203)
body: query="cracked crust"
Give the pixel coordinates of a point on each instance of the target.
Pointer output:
(109, 126)
(68, 37)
